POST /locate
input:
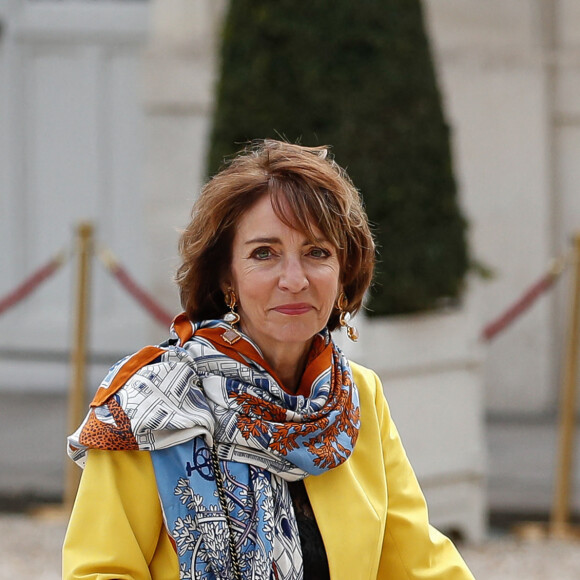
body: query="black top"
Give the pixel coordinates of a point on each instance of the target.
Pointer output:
(313, 552)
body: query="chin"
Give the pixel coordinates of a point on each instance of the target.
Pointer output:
(298, 332)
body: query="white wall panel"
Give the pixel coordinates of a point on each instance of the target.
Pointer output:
(7, 225)
(511, 78)
(61, 180)
(569, 171)
(568, 145)
(73, 142)
(568, 16)
(494, 88)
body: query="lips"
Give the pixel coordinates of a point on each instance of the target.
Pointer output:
(294, 309)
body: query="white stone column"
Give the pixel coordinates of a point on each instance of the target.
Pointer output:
(510, 73)
(493, 78)
(180, 75)
(566, 140)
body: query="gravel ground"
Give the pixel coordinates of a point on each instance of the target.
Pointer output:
(30, 548)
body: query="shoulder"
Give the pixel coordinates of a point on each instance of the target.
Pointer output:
(371, 394)
(130, 366)
(365, 379)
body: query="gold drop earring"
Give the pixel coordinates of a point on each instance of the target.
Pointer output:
(231, 335)
(344, 318)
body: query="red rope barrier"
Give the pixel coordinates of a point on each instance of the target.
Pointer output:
(32, 282)
(144, 298)
(525, 301)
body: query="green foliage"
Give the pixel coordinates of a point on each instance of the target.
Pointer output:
(357, 76)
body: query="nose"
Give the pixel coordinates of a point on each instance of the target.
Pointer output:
(293, 277)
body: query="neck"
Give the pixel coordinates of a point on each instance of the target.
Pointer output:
(288, 362)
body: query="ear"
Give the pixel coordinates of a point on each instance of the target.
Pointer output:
(339, 291)
(225, 283)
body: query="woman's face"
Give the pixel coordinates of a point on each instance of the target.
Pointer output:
(286, 285)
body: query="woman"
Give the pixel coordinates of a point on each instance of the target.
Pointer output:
(247, 446)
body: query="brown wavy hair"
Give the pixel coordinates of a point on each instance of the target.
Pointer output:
(307, 188)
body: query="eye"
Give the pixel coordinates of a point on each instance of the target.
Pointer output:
(318, 253)
(262, 253)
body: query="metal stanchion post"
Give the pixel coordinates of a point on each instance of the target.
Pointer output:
(559, 522)
(76, 408)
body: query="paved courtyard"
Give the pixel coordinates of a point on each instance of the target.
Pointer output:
(30, 548)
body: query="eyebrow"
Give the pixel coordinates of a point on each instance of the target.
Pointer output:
(278, 241)
(263, 241)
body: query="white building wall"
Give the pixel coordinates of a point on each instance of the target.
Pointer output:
(180, 65)
(510, 75)
(494, 82)
(71, 150)
(565, 66)
(91, 129)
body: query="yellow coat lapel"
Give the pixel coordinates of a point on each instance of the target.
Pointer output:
(350, 502)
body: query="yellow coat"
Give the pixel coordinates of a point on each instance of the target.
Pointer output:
(370, 511)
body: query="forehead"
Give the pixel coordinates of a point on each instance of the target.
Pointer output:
(264, 218)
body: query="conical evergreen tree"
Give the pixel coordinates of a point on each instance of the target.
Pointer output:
(357, 76)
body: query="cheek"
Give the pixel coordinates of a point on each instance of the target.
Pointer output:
(330, 288)
(252, 288)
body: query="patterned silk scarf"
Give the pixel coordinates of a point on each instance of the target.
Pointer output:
(197, 391)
